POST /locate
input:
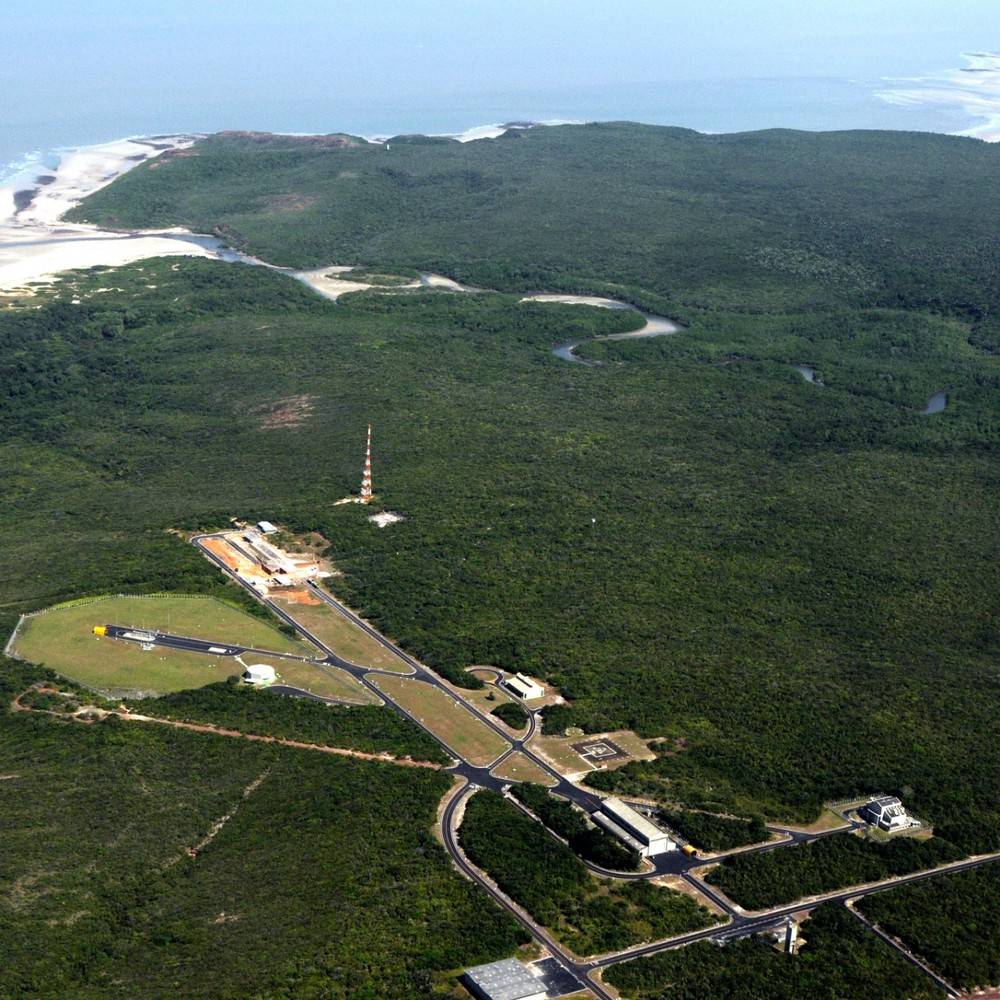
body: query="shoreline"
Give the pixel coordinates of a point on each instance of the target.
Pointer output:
(36, 246)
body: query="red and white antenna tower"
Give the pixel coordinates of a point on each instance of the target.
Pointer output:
(366, 475)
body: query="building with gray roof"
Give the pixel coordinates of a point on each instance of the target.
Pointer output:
(505, 980)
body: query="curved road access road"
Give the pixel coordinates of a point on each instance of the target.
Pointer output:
(740, 924)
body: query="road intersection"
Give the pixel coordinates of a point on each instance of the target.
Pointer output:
(739, 923)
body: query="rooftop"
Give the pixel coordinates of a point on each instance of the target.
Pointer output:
(505, 980)
(634, 820)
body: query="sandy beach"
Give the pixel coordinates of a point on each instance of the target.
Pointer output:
(36, 246)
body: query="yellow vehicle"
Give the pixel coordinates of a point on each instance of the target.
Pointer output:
(689, 850)
(100, 630)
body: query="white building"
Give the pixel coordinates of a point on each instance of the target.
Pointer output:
(506, 980)
(639, 833)
(266, 528)
(524, 687)
(259, 673)
(887, 813)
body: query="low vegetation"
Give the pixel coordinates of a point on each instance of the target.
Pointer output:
(953, 923)
(368, 728)
(715, 833)
(840, 958)
(589, 915)
(322, 877)
(757, 881)
(589, 842)
(794, 648)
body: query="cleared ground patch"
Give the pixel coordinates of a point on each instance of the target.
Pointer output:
(517, 767)
(561, 753)
(326, 681)
(341, 634)
(63, 640)
(445, 717)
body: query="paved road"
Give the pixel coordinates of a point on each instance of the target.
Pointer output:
(906, 954)
(739, 924)
(209, 647)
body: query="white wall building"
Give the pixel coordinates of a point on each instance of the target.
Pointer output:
(259, 673)
(639, 833)
(266, 528)
(524, 687)
(887, 813)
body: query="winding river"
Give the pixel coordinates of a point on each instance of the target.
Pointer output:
(656, 326)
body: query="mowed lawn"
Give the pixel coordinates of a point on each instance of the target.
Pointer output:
(445, 717)
(517, 767)
(342, 636)
(62, 639)
(326, 681)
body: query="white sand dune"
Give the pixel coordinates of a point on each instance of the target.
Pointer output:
(36, 246)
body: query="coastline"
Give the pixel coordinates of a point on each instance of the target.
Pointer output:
(37, 246)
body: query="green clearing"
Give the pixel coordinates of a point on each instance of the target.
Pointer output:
(326, 681)
(953, 923)
(589, 915)
(839, 959)
(62, 639)
(326, 881)
(342, 636)
(446, 717)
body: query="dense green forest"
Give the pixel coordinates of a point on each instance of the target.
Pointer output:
(840, 958)
(953, 923)
(715, 833)
(512, 714)
(782, 218)
(770, 878)
(587, 914)
(794, 582)
(586, 840)
(794, 585)
(325, 881)
(368, 728)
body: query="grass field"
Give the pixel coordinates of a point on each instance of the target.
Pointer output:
(517, 767)
(62, 639)
(445, 717)
(558, 750)
(342, 636)
(326, 681)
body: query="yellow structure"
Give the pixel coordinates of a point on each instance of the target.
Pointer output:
(100, 630)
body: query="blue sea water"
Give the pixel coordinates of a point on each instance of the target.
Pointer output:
(28, 148)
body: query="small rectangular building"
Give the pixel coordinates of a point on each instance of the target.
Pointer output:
(266, 528)
(504, 980)
(639, 833)
(524, 687)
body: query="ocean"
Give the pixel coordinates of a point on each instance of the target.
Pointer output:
(938, 104)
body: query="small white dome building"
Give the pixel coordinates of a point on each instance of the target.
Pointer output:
(259, 673)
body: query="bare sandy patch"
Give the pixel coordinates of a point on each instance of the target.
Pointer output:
(292, 411)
